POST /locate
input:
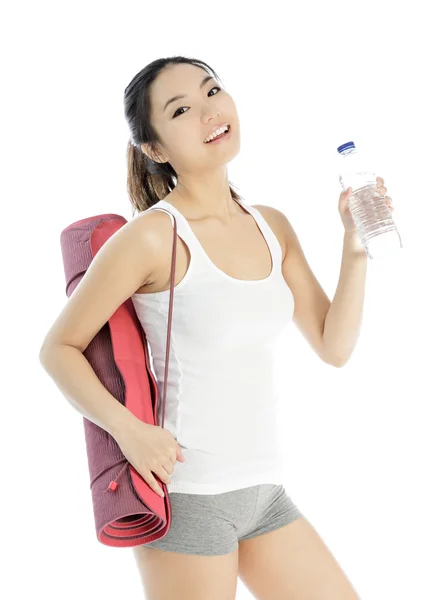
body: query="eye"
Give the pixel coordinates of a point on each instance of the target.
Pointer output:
(215, 88)
(177, 113)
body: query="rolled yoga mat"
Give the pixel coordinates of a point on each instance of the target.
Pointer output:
(127, 512)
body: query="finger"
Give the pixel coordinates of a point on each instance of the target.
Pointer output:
(166, 476)
(152, 482)
(170, 465)
(165, 473)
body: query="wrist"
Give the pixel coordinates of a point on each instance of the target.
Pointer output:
(352, 243)
(123, 421)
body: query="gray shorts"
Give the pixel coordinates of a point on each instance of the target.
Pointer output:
(212, 524)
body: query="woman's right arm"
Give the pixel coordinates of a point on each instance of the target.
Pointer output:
(136, 255)
(127, 260)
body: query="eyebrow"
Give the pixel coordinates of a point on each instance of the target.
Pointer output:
(203, 82)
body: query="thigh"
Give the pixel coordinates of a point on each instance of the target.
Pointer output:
(290, 561)
(198, 557)
(168, 575)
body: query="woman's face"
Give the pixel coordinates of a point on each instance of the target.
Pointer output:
(184, 123)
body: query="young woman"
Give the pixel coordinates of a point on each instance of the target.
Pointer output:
(240, 277)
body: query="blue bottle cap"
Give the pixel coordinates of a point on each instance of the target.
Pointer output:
(346, 146)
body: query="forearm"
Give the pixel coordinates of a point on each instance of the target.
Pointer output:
(343, 319)
(76, 379)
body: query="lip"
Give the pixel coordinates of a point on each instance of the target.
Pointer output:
(225, 138)
(215, 129)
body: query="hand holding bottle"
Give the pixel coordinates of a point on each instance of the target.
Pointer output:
(363, 204)
(343, 204)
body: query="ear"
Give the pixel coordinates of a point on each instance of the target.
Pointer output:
(152, 154)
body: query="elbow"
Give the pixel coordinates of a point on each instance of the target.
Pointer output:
(51, 350)
(339, 362)
(335, 361)
(332, 359)
(44, 352)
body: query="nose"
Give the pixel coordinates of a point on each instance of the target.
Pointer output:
(215, 114)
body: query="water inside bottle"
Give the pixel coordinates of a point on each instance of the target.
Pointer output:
(373, 218)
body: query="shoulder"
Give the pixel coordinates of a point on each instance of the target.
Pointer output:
(148, 234)
(154, 227)
(279, 224)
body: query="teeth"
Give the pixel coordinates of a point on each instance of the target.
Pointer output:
(216, 133)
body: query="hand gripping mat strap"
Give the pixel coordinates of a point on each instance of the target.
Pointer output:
(127, 513)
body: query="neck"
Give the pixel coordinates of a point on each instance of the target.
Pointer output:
(207, 195)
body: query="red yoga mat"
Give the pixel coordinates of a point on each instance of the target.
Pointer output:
(127, 512)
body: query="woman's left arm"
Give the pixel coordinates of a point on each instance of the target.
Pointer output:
(331, 328)
(343, 320)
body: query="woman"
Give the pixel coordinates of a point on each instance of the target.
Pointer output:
(240, 277)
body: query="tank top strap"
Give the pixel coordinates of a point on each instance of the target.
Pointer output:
(184, 231)
(269, 235)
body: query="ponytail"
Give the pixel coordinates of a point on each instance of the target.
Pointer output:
(147, 181)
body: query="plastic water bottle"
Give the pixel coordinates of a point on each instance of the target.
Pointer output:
(372, 217)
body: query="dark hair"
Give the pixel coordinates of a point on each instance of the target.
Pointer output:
(149, 181)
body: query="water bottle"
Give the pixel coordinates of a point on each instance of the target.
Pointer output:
(372, 217)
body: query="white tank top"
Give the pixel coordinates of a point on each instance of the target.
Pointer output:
(221, 399)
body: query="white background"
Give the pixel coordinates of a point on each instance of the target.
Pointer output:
(306, 77)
